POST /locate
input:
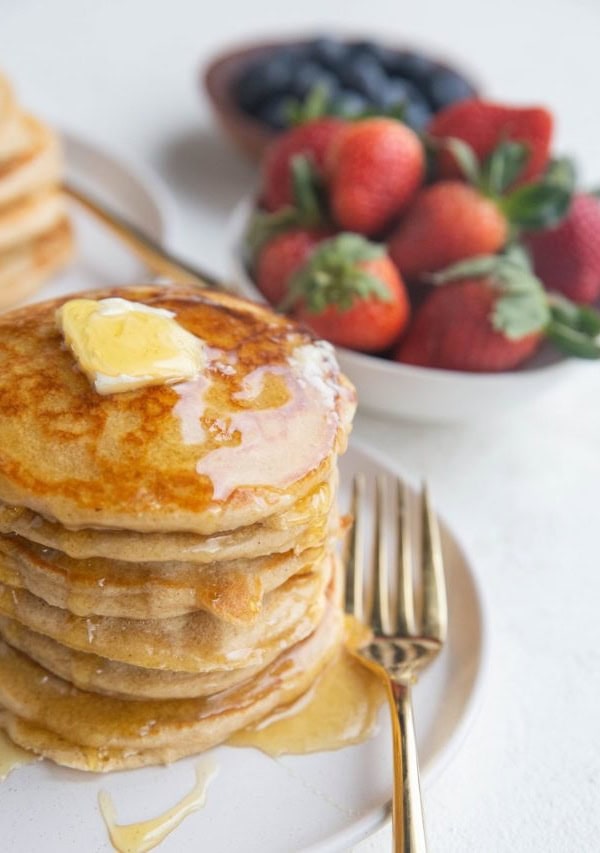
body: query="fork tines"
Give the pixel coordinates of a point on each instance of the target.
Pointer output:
(392, 503)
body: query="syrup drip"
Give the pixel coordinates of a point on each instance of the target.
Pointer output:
(340, 710)
(12, 756)
(143, 836)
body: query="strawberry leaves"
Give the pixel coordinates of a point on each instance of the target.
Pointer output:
(532, 206)
(544, 203)
(574, 329)
(523, 307)
(333, 275)
(315, 105)
(502, 168)
(308, 210)
(462, 153)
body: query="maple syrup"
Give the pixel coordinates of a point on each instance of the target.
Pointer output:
(340, 710)
(144, 836)
(12, 756)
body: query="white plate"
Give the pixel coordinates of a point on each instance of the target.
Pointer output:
(127, 188)
(322, 802)
(421, 393)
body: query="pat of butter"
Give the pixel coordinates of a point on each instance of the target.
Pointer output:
(122, 345)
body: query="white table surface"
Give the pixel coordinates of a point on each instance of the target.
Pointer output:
(520, 492)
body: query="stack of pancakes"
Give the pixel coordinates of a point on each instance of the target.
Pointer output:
(167, 555)
(35, 235)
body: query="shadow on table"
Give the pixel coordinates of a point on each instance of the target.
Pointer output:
(201, 165)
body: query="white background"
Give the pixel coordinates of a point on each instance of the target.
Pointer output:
(521, 492)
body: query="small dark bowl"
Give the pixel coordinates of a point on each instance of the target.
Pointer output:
(249, 134)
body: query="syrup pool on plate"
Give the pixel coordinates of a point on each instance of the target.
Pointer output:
(340, 710)
(12, 756)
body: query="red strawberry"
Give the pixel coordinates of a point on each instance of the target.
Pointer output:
(483, 125)
(448, 221)
(567, 257)
(349, 292)
(281, 257)
(453, 330)
(374, 168)
(312, 140)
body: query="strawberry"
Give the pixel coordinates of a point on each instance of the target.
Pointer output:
(453, 330)
(483, 125)
(349, 292)
(448, 221)
(373, 169)
(567, 257)
(312, 140)
(492, 316)
(279, 258)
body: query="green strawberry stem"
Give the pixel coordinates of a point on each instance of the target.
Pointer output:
(463, 154)
(502, 168)
(524, 307)
(314, 106)
(308, 210)
(333, 275)
(307, 191)
(264, 226)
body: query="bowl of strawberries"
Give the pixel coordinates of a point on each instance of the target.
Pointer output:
(455, 270)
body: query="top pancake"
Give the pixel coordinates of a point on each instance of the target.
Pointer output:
(256, 430)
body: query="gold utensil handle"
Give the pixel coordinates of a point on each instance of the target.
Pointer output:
(409, 827)
(150, 252)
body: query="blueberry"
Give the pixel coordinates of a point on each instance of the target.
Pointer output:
(365, 75)
(396, 91)
(308, 76)
(417, 114)
(445, 87)
(375, 51)
(409, 65)
(416, 111)
(264, 79)
(275, 112)
(328, 51)
(349, 104)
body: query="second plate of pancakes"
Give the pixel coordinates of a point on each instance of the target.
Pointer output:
(127, 187)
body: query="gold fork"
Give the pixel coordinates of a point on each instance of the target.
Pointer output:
(401, 645)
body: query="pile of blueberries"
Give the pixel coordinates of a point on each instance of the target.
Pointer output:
(357, 77)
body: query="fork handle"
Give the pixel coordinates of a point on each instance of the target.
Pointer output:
(409, 828)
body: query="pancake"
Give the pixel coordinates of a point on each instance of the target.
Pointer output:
(36, 168)
(25, 268)
(298, 528)
(7, 102)
(196, 642)
(16, 136)
(100, 675)
(93, 732)
(256, 431)
(30, 217)
(232, 591)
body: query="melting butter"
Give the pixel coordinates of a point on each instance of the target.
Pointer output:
(122, 345)
(140, 837)
(340, 710)
(12, 756)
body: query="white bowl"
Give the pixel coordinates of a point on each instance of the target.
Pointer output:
(420, 393)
